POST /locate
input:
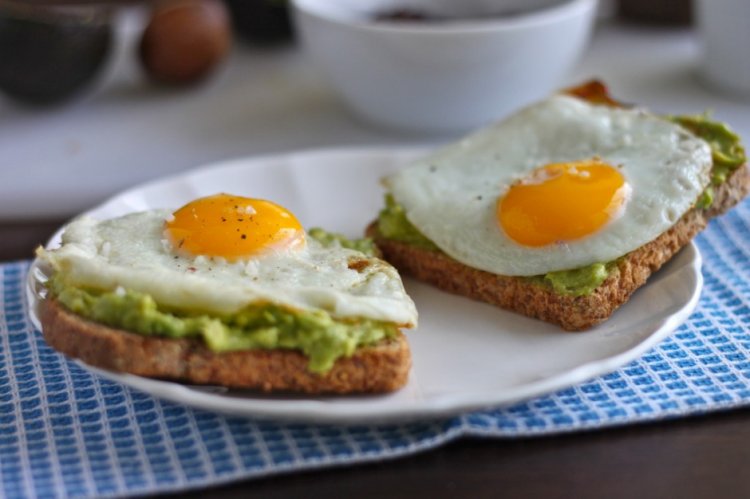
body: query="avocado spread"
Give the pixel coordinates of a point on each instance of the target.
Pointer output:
(726, 149)
(393, 224)
(727, 152)
(321, 337)
(329, 239)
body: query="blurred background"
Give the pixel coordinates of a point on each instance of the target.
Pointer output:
(96, 97)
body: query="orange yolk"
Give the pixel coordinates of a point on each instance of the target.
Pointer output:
(232, 227)
(562, 202)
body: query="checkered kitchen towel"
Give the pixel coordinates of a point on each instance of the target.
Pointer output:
(67, 433)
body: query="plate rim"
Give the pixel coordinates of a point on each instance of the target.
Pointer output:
(351, 410)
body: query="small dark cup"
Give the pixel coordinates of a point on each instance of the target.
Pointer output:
(49, 53)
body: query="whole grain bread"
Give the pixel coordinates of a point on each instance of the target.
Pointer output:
(573, 313)
(383, 367)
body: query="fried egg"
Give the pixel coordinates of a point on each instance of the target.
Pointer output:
(222, 253)
(560, 185)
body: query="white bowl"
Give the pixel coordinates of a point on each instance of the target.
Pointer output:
(446, 76)
(726, 40)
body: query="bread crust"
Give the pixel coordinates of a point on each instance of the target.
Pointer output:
(542, 302)
(383, 367)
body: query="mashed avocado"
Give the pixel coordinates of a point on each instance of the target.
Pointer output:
(329, 239)
(727, 152)
(315, 333)
(726, 148)
(578, 282)
(393, 224)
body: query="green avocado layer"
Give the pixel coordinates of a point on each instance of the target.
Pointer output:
(727, 152)
(393, 224)
(332, 239)
(576, 282)
(321, 337)
(726, 147)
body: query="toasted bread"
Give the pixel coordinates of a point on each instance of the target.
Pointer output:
(573, 313)
(382, 367)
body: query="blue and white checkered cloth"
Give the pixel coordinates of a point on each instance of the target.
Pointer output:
(67, 433)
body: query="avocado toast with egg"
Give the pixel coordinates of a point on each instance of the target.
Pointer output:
(228, 291)
(599, 197)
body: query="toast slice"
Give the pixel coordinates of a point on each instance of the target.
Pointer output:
(379, 368)
(572, 313)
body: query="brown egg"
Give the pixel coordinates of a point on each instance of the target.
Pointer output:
(185, 40)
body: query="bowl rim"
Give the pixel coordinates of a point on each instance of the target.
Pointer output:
(534, 18)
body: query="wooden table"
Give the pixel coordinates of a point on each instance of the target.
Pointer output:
(696, 457)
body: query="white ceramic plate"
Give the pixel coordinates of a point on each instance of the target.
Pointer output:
(467, 355)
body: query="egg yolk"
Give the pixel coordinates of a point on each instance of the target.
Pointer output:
(232, 227)
(562, 202)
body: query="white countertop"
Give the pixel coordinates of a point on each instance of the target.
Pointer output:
(57, 162)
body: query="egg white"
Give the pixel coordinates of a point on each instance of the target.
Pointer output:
(451, 195)
(131, 252)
